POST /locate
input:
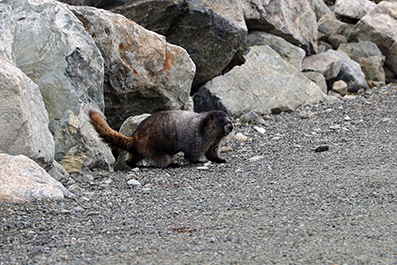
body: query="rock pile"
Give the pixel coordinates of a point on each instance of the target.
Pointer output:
(57, 60)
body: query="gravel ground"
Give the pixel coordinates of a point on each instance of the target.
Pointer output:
(276, 200)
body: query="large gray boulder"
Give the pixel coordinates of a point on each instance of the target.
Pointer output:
(293, 20)
(265, 82)
(60, 57)
(380, 26)
(210, 31)
(50, 45)
(23, 117)
(143, 72)
(23, 180)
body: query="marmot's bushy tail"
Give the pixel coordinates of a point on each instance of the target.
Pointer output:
(113, 138)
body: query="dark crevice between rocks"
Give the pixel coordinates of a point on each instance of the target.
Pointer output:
(237, 60)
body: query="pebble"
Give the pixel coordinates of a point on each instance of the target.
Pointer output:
(306, 114)
(255, 158)
(78, 209)
(108, 181)
(321, 148)
(252, 117)
(207, 164)
(335, 127)
(136, 169)
(87, 178)
(349, 97)
(260, 130)
(226, 149)
(75, 188)
(240, 137)
(64, 211)
(134, 182)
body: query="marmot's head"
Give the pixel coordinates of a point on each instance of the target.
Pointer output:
(216, 123)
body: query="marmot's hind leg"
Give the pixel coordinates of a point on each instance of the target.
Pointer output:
(133, 159)
(213, 152)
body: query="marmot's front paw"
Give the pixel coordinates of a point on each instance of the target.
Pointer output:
(218, 160)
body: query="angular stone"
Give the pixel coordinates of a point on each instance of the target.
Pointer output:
(293, 20)
(336, 39)
(84, 148)
(340, 87)
(292, 54)
(328, 24)
(247, 86)
(323, 63)
(319, 79)
(22, 180)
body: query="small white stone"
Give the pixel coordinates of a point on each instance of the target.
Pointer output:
(108, 181)
(240, 137)
(134, 182)
(136, 169)
(349, 97)
(255, 158)
(260, 130)
(340, 87)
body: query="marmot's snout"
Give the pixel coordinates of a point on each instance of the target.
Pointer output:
(228, 128)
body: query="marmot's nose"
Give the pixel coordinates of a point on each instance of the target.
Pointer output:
(228, 128)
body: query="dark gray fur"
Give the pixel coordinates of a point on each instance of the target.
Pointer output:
(166, 133)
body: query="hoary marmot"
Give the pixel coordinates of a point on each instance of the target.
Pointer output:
(168, 132)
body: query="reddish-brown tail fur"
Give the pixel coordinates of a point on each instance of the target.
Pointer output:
(113, 138)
